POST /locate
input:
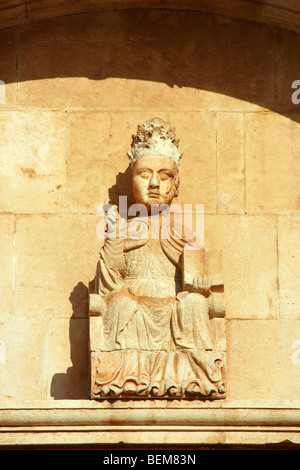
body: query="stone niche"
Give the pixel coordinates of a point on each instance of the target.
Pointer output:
(79, 77)
(156, 307)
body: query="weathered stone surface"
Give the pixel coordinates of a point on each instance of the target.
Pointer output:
(248, 243)
(7, 263)
(199, 158)
(289, 266)
(91, 422)
(230, 163)
(107, 67)
(50, 267)
(32, 158)
(94, 162)
(68, 358)
(272, 163)
(263, 359)
(97, 167)
(24, 368)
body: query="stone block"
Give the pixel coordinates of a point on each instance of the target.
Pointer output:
(68, 358)
(32, 158)
(263, 359)
(230, 163)
(198, 164)
(95, 157)
(98, 167)
(272, 163)
(24, 372)
(289, 266)
(56, 258)
(107, 67)
(7, 263)
(249, 244)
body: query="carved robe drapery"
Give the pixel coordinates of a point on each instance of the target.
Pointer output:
(156, 338)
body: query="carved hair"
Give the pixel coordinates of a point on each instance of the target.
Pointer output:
(155, 137)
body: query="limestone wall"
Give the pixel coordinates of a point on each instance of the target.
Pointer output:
(76, 88)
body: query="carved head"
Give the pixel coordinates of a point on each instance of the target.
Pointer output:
(155, 161)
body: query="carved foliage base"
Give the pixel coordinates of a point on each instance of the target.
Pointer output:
(158, 374)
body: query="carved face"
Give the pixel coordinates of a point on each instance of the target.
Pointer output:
(155, 180)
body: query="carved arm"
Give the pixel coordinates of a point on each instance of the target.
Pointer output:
(97, 304)
(202, 273)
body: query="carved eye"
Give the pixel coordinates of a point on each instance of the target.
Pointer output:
(164, 175)
(145, 174)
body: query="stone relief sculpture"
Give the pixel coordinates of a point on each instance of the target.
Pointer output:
(157, 308)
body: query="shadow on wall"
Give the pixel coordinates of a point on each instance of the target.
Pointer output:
(175, 48)
(122, 187)
(74, 383)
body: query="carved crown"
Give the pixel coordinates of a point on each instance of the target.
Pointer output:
(155, 137)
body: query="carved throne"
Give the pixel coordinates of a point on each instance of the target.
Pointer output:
(207, 262)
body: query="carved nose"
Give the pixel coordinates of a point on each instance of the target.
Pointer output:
(154, 182)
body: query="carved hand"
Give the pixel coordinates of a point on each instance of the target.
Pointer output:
(202, 284)
(116, 225)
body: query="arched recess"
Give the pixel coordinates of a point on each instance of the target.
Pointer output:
(282, 13)
(84, 57)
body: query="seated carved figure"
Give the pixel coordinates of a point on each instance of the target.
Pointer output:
(151, 330)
